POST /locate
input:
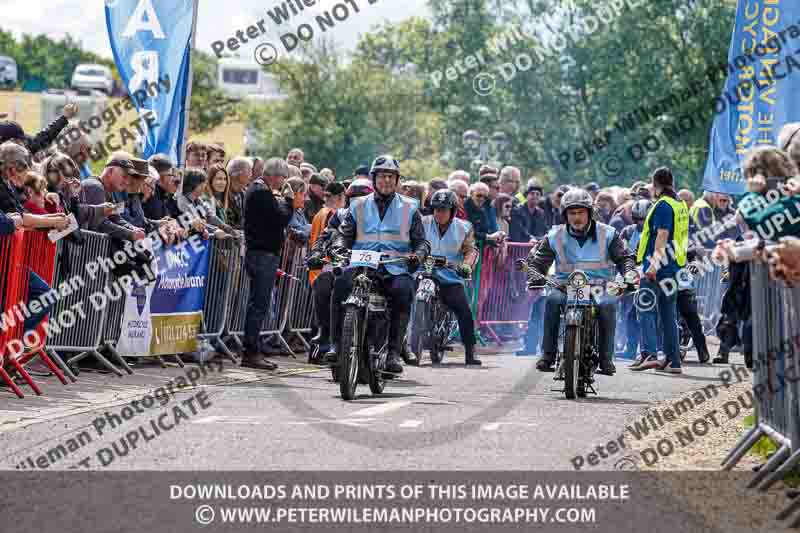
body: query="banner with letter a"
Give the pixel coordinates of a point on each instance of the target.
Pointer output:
(760, 93)
(152, 42)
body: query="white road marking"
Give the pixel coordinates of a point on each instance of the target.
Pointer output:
(411, 424)
(381, 409)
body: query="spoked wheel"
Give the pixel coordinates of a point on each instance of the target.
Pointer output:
(349, 353)
(376, 382)
(419, 333)
(571, 362)
(441, 333)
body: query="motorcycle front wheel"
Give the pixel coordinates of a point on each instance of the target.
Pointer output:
(349, 351)
(572, 343)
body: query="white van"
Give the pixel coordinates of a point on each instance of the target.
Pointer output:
(243, 79)
(8, 72)
(96, 77)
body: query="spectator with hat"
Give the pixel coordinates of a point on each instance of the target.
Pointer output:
(316, 195)
(99, 191)
(162, 203)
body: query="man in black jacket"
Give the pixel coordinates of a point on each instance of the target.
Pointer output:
(163, 203)
(266, 215)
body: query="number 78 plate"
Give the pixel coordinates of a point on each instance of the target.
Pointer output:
(582, 295)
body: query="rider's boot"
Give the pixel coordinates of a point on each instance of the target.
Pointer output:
(397, 331)
(607, 367)
(332, 356)
(469, 355)
(545, 364)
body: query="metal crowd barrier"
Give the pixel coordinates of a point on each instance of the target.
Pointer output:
(776, 391)
(503, 299)
(299, 309)
(84, 338)
(234, 327)
(222, 264)
(710, 290)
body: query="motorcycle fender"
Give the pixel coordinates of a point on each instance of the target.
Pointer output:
(574, 317)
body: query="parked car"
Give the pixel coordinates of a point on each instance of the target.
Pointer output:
(8, 72)
(96, 77)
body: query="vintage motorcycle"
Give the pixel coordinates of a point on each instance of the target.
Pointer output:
(364, 344)
(432, 321)
(578, 356)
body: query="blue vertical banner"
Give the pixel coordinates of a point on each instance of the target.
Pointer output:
(152, 42)
(760, 92)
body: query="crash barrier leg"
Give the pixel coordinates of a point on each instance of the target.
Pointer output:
(776, 335)
(221, 264)
(506, 300)
(300, 304)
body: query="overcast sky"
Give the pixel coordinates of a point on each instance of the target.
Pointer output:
(218, 20)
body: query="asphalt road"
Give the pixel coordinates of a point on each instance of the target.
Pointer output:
(502, 416)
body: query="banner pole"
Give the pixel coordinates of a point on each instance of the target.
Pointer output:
(188, 101)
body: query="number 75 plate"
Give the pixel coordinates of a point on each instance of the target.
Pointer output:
(365, 258)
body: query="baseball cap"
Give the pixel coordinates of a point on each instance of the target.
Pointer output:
(592, 187)
(124, 160)
(487, 170)
(316, 179)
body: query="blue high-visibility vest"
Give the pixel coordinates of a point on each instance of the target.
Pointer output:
(390, 236)
(591, 258)
(447, 245)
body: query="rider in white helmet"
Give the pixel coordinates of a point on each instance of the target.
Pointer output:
(596, 249)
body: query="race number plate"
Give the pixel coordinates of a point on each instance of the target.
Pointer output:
(366, 258)
(579, 296)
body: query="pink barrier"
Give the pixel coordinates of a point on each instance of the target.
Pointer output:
(503, 298)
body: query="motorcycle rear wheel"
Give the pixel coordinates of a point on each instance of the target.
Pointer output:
(571, 362)
(349, 351)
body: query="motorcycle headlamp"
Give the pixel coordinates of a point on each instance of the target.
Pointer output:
(578, 280)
